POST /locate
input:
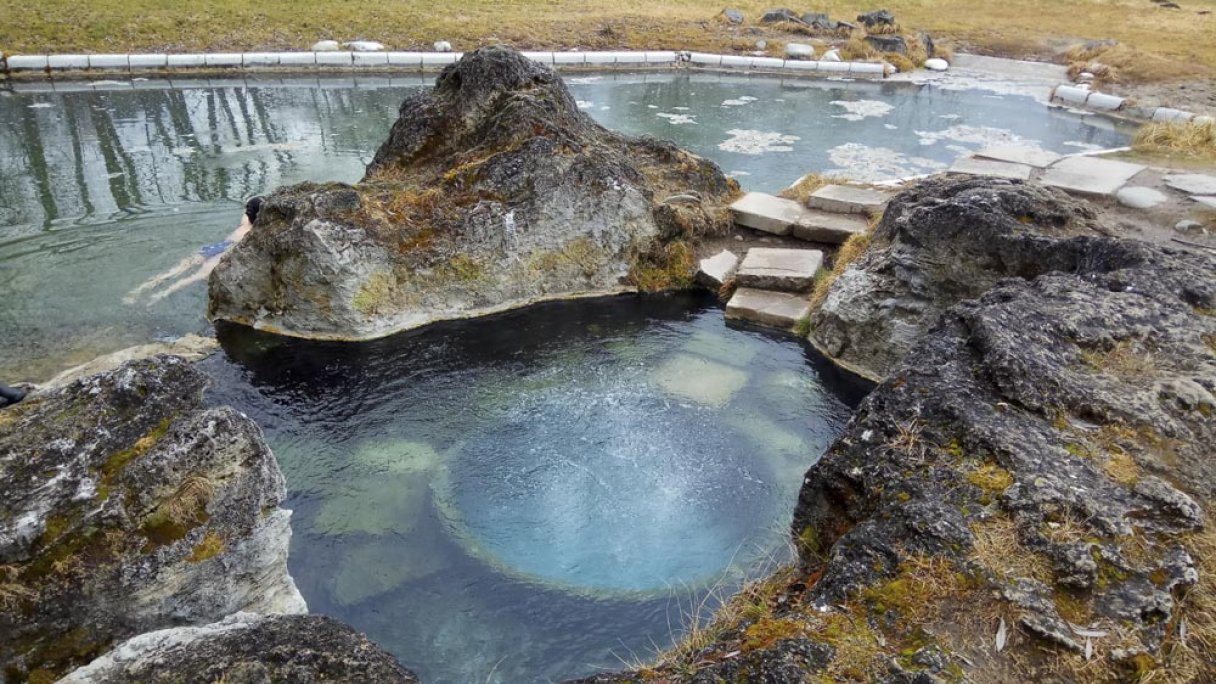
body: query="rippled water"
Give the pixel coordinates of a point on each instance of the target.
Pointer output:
(541, 494)
(102, 187)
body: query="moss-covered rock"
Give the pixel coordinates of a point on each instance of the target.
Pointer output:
(492, 191)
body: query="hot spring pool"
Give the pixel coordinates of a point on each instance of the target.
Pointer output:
(102, 188)
(541, 494)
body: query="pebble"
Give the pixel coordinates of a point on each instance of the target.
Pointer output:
(761, 44)
(1188, 226)
(442, 46)
(1140, 198)
(365, 46)
(832, 55)
(799, 51)
(326, 46)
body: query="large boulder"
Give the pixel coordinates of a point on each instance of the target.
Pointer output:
(938, 243)
(129, 506)
(247, 648)
(492, 191)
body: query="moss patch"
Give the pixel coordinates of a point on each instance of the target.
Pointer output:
(211, 546)
(375, 294)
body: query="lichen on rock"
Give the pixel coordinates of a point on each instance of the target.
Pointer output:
(492, 191)
(129, 506)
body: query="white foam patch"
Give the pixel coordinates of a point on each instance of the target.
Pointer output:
(1083, 146)
(870, 164)
(745, 141)
(677, 119)
(583, 104)
(969, 135)
(583, 79)
(736, 174)
(856, 110)
(41, 105)
(739, 101)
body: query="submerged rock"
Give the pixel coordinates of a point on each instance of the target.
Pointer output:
(492, 191)
(130, 506)
(938, 243)
(247, 648)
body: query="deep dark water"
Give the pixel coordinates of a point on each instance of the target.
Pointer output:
(540, 494)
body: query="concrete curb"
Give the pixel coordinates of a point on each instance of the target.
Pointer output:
(1076, 96)
(421, 61)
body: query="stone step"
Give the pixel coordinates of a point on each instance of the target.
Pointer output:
(716, 269)
(978, 166)
(849, 199)
(765, 212)
(1020, 153)
(790, 270)
(1090, 175)
(766, 307)
(824, 226)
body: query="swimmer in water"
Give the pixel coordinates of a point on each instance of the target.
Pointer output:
(203, 261)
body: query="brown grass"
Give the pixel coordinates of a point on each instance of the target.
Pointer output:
(804, 187)
(999, 550)
(1190, 139)
(1174, 42)
(850, 251)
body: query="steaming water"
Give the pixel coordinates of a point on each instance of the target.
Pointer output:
(102, 188)
(542, 494)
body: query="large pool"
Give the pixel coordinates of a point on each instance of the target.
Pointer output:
(104, 185)
(542, 494)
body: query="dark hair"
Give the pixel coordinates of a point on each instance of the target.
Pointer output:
(252, 207)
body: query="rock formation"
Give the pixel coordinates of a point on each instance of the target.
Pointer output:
(1028, 496)
(247, 648)
(492, 191)
(129, 506)
(937, 244)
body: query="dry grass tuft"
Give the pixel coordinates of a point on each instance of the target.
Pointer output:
(849, 252)
(190, 501)
(1127, 361)
(1191, 638)
(12, 593)
(999, 550)
(1189, 139)
(1120, 63)
(804, 187)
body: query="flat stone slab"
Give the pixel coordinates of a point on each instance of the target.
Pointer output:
(1140, 198)
(716, 269)
(1016, 153)
(765, 212)
(1209, 202)
(976, 166)
(791, 270)
(832, 228)
(1192, 183)
(1090, 175)
(848, 199)
(766, 307)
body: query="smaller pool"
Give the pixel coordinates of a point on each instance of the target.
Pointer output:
(538, 495)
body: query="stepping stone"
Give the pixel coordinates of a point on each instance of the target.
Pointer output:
(1192, 183)
(848, 199)
(1140, 198)
(717, 269)
(792, 270)
(976, 166)
(823, 226)
(1090, 175)
(768, 213)
(777, 309)
(1020, 153)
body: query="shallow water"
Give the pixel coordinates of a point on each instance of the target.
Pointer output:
(541, 494)
(100, 189)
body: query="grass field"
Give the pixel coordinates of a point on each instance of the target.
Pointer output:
(1174, 43)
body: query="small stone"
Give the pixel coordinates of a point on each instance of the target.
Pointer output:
(365, 46)
(878, 18)
(326, 46)
(819, 20)
(799, 51)
(936, 64)
(442, 46)
(733, 16)
(1140, 198)
(761, 44)
(1192, 183)
(1188, 226)
(778, 15)
(883, 43)
(832, 55)
(717, 269)
(1085, 77)
(738, 238)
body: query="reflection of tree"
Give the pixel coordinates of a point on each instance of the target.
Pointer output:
(96, 153)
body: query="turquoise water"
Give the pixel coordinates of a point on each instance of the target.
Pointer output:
(103, 186)
(542, 494)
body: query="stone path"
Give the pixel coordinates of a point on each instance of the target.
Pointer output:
(766, 307)
(848, 199)
(1091, 176)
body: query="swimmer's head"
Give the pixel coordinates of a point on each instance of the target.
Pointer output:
(252, 207)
